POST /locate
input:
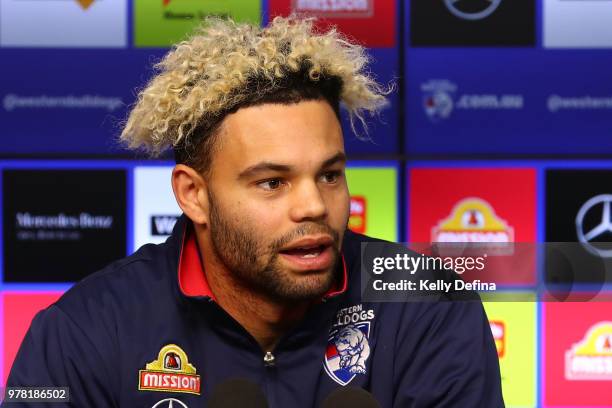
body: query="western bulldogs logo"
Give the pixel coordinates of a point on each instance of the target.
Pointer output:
(438, 98)
(348, 350)
(353, 349)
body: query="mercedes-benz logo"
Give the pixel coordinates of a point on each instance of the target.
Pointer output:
(605, 225)
(170, 403)
(487, 8)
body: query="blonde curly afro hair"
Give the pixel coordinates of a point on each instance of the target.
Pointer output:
(225, 66)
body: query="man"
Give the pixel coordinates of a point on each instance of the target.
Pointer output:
(260, 278)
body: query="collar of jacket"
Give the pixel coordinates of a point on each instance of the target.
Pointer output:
(192, 279)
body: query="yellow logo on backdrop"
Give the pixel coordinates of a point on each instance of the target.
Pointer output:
(472, 220)
(85, 3)
(591, 358)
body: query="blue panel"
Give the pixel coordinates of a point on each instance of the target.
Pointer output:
(439, 122)
(383, 130)
(39, 73)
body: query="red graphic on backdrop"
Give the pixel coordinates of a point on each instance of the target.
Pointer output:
(371, 23)
(577, 353)
(19, 310)
(485, 205)
(498, 328)
(357, 217)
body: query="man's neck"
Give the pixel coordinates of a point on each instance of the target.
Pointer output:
(265, 319)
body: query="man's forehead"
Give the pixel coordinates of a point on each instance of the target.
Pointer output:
(282, 134)
(287, 166)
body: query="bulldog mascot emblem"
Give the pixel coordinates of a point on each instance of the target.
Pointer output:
(348, 350)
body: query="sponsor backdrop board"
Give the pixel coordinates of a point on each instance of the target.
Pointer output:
(472, 23)
(61, 23)
(374, 195)
(577, 343)
(505, 77)
(577, 24)
(77, 72)
(496, 77)
(373, 24)
(67, 102)
(64, 217)
(166, 22)
(355, 19)
(478, 205)
(578, 210)
(514, 329)
(155, 209)
(373, 188)
(17, 310)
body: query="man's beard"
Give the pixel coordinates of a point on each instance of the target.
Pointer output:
(255, 262)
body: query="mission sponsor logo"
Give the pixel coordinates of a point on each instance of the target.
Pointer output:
(475, 211)
(357, 217)
(170, 372)
(372, 23)
(440, 99)
(591, 358)
(335, 8)
(577, 353)
(498, 328)
(162, 225)
(472, 220)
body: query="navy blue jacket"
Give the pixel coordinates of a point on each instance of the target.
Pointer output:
(146, 329)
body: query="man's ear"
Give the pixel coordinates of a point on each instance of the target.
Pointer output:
(191, 193)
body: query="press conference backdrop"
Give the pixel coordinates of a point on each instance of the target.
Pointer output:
(501, 127)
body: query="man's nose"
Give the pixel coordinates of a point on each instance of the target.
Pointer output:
(307, 203)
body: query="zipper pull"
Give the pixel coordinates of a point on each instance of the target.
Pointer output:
(269, 359)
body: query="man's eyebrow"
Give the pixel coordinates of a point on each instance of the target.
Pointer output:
(339, 157)
(264, 166)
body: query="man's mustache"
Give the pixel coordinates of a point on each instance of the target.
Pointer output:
(304, 230)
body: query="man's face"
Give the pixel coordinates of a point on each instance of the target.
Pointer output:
(278, 197)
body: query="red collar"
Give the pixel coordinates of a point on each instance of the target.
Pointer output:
(192, 279)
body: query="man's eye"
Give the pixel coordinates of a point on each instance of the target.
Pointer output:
(331, 176)
(270, 185)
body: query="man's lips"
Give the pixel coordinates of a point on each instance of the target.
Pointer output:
(309, 253)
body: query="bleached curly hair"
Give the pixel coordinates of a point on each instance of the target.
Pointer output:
(225, 66)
